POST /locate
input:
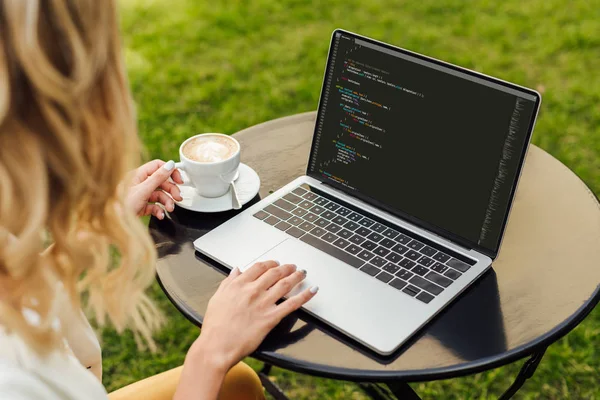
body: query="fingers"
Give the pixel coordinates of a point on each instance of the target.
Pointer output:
(158, 196)
(172, 189)
(283, 286)
(274, 275)
(162, 172)
(154, 209)
(257, 270)
(295, 302)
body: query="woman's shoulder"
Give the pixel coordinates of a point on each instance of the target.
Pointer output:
(25, 374)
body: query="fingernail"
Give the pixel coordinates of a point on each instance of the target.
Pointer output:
(314, 289)
(162, 215)
(303, 272)
(276, 262)
(169, 165)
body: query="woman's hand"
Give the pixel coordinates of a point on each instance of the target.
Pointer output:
(151, 185)
(239, 316)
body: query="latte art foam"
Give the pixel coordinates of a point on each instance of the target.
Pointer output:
(210, 149)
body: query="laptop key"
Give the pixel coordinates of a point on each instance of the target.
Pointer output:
(416, 245)
(366, 222)
(343, 211)
(305, 204)
(295, 232)
(437, 278)
(374, 236)
(310, 196)
(369, 269)
(402, 238)
(398, 284)
(369, 245)
(425, 297)
(271, 220)
(384, 277)
(391, 268)
(299, 212)
(363, 231)
(350, 225)
(333, 228)
(437, 267)
(404, 274)
(354, 217)
(428, 251)
(299, 191)
(378, 261)
(398, 248)
(261, 214)
(329, 237)
(387, 243)
(441, 257)
(353, 249)
(390, 233)
(365, 255)
(331, 206)
(322, 222)
(345, 233)
(426, 261)
(282, 226)
(306, 226)
(406, 263)
(377, 227)
(381, 251)
(328, 215)
(278, 212)
(420, 270)
(357, 239)
(394, 257)
(413, 255)
(452, 274)
(317, 210)
(286, 205)
(318, 232)
(456, 264)
(332, 251)
(341, 243)
(411, 290)
(339, 220)
(292, 198)
(310, 217)
(321, 201)
(426, 285)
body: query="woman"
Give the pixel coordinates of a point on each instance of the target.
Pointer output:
(67, 138)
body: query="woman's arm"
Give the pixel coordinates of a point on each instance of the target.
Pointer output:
(239, 316)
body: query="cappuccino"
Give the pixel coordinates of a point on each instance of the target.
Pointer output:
(210, 148)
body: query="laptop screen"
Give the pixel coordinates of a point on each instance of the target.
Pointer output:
(426, 140)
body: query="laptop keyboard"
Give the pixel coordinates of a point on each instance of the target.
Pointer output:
(392, 257)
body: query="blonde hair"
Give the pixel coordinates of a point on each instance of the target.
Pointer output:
(67, 138)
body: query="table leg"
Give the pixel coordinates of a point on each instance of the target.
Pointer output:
(389, 391)
(269, 386)
(526, 372)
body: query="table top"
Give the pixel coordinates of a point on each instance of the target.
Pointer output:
(544, 282)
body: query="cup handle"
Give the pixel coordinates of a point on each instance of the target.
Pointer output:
(180, 167)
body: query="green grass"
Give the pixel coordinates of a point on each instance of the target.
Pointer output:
(199, 66)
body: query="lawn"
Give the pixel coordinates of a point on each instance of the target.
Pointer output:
(198, 66)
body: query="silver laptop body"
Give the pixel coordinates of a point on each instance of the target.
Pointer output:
(361, 300)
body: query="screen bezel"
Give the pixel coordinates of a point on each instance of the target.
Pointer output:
(491, 252)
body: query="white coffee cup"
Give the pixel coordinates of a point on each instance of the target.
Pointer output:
(210, 179)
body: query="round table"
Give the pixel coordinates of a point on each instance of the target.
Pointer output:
(543, 284)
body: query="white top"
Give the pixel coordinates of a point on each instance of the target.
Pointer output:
(72, 373)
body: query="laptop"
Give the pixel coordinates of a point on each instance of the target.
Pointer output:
(410, 179)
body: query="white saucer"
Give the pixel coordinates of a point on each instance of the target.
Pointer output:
(247, 186)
